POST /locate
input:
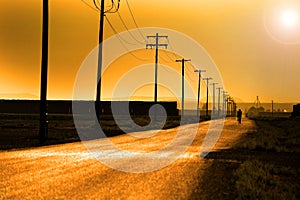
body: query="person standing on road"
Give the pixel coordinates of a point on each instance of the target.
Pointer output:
(239, 116)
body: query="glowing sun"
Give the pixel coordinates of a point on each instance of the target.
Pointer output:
(282, 21)
(289, 18)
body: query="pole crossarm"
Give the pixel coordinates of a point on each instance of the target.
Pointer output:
(161, 36)
(158, 45)
(207, 79)
(199, 70)
(183, 60)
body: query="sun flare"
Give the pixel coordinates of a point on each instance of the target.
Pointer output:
(289, 18)
(282, 22)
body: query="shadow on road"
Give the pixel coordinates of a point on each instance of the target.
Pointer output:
(279, 160)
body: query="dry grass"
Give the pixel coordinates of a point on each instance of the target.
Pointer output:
(22, 130)
(258, 180)
(272, 176)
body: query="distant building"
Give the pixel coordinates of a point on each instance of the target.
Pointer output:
(296, 111)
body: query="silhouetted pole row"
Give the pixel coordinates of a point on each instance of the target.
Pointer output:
(231, 106)
(219, 99)
(214, 97)
(224, 102)
(44, 74)
(156, 45)
(182, 84)
(199, 81)
(207, 83)
(228, 105)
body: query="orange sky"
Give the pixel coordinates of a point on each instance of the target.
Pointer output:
(255, 52)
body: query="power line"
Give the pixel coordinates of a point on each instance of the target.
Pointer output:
(121, 41)
(172, 50)
(124, 24)
(116, 32)
(161, 57)
(131, 13)
(166, 53)
(97, 7)
(97, 4)
(93, 8)
(193, 78)
(113, 5)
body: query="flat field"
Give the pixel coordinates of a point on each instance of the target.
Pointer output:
(264, 164)
(22, 130)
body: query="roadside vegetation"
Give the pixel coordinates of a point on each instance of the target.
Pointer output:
(22, 130)
(272, 171)
(264, 164)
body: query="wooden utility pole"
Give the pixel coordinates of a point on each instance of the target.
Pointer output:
(182, 84)
(207, 80)
(43, 132)
(100, 54)
(199, 86)
(114, 8)
(219, 100)
(156, 45)
(214, 97)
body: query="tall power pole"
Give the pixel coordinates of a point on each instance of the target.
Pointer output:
(214, 97)
(44, 74)
(199, 81)
(219, 100)
(156, 45)
(114, 8)
(100, 50)
(207, 80)
(182, 84)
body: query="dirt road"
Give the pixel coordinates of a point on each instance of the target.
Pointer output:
(69, 171)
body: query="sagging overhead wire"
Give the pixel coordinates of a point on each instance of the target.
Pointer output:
(121, 41)
(167, 54)
(166, 61)
(116, 32)
(95, 3)
(87, 4)
(135, 23)
(113, 5)
(124, 24)
(172, 50)
(113, 8)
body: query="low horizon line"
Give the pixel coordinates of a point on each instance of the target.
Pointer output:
(187, 100)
